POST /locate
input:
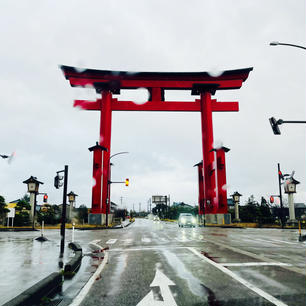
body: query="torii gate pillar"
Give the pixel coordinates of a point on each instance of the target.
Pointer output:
(221, 176)
(210, 194)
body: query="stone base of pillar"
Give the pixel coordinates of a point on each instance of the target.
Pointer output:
(236, 220)
(218, 218)
(99, 219)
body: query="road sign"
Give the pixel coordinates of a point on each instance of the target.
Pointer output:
(162, 281)
(159, 199)
(11, 213)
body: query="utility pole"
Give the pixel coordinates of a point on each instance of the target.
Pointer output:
(133, 207)
(121, 201)
(139, 207)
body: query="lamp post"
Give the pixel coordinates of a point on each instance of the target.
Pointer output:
(290, 189)
(109, 181)
(71, 198)
(33, 186)
(275, 124)
(277, 43)
(236, 197)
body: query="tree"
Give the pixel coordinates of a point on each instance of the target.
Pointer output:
(264, 213)
(3, 209)
(50, 214)
(248, 213)
(83, 214)
(22, 216)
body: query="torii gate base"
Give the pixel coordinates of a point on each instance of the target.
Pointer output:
(109, 83)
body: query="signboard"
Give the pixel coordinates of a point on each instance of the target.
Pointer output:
(159, 199)
(11, 213)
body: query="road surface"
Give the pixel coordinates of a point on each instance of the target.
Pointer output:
(158, 263)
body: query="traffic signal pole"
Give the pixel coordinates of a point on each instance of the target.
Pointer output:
(63, 217)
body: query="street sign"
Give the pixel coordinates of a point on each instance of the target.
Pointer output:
(11, 213)
(159, 199)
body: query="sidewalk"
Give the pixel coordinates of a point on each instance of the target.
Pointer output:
(68, 226)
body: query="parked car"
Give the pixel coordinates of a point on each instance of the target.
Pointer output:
(186, 219)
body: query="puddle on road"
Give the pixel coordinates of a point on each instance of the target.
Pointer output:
(120, 267)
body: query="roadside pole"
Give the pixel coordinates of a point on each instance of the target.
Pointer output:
(63, 217)
(280, 195)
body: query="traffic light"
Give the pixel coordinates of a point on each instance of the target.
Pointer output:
(57, 181)
(271, 199)
(274, 125)
(127, 182)
(280, 174)
(45, 198)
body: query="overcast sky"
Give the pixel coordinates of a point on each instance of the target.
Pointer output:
(38, 120)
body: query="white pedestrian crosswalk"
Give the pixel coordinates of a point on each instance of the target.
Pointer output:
(145, 240)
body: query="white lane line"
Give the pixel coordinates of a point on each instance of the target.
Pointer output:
(145, 239)
(84, 291)
(275, 241)
(257, 290)
(111, 241)
(251, 264)
(285, 241)
(160, 248)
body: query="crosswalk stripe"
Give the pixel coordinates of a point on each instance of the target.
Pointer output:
(111, 241)
(145, 239)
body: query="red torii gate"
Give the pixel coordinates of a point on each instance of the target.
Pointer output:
(111, 82)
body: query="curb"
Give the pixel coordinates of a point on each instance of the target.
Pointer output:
(74, 263)
(84, 291)
(45, 287)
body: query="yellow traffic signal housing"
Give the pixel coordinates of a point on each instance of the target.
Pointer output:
(127, 182)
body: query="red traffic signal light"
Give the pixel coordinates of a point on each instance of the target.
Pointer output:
(45, 198)
(127, 182)
(271, 199)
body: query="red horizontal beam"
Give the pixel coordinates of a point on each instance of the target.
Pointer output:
(225, 106)
(165, 84)
(161, 106)
(87, 105)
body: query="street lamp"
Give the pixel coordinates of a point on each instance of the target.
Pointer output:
(109, 181)
(71, 198)
(290, 189)
(275, 124)
(33, 186)
(236, 197)
(277, 43)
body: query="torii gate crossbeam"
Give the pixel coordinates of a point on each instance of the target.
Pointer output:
(201, 84)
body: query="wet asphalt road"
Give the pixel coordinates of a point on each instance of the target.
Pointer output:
(157, 263)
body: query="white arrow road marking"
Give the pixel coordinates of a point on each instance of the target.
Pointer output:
(111, 241)
(162, 281)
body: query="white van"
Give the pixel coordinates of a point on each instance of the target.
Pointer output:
(186, 219)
